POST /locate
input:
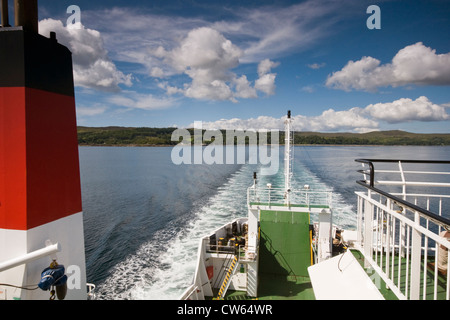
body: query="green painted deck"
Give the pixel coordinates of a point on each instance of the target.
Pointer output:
(277, 287)
(285, 247)
(285, 255)
(429, 283)
(286, 287)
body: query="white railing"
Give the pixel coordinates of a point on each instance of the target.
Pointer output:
(401, 239)
(191, 293)
(277, 196)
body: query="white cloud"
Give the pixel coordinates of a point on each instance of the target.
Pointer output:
(262, 122)
(263, 32)
(208, 58)
(309, 89)
(157, 72)
(92, 68)
(355, 119)
(414, 64)
(316, 66)
(133, 35)
(272, 31)
(405, 109)
(244, 88)
(168, 46)
(134, 100)
(266, 66)
(91, 111)
(266, 83)
(329, 120)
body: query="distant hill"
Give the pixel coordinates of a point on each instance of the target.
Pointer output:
(394, 137)
(123, 136)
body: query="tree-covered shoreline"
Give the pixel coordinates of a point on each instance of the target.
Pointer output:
(130, 136)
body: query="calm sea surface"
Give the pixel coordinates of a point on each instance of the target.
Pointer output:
(144, 215)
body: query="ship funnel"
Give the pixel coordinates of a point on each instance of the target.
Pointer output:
(4, 13)
(26, 14)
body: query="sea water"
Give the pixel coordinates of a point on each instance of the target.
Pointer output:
(144, 216)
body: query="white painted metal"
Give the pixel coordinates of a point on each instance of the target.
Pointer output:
(342, 278)
(29, 257)
(325, 236)
(270, 197)
(414, 234)
(287, 158)
(202, 286)
(68, 233)
(253, 230)
(386, 228)
(252, 279)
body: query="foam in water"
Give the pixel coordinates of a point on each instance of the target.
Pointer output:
(164, 267)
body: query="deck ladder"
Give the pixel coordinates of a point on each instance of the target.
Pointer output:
(226, 282)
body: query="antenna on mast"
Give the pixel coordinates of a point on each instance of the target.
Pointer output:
(287, 157)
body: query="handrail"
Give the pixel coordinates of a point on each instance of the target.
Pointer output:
(397, 245)
(403, 160)
(189, 292)
(444, 222)
(277, 196)
(370, 162)
(399, 249)
(227, 278)
(428, 214)
(224, 269)
(26, 258)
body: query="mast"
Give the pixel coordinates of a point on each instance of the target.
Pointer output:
(4, 13)
(287, 157)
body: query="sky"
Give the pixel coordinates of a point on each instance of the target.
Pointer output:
(243, 64)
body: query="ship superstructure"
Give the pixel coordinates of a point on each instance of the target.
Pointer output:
(289, 248)
(42, 252)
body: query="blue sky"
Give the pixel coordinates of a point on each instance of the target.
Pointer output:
(243, 64)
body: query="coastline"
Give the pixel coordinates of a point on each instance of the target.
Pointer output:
(294, 145)
(125, 145)
(162, 137)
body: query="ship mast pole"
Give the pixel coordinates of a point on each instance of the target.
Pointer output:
(4, 13)
(287, 158)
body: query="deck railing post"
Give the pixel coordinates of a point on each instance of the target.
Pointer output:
(360, 238)
(388, 238)
(368, 231)
(415, 260)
